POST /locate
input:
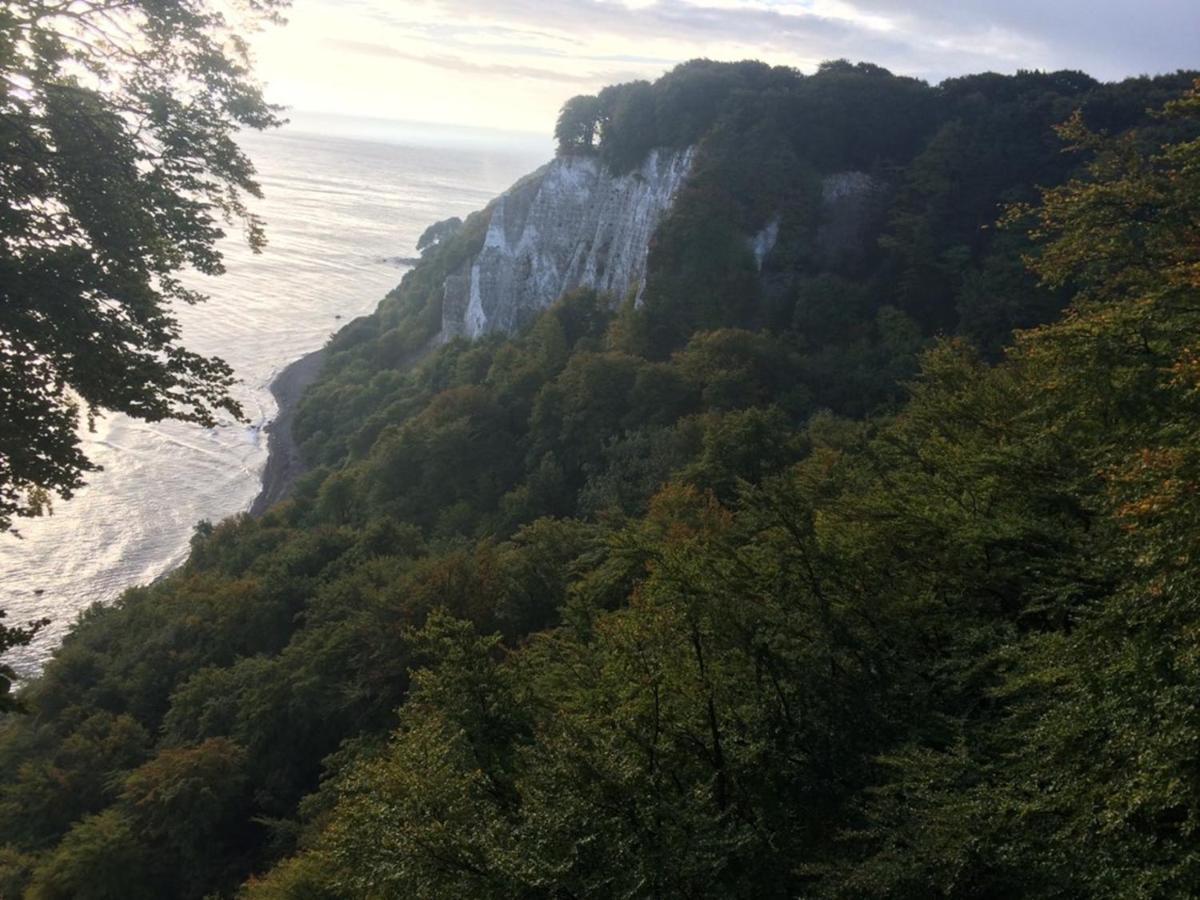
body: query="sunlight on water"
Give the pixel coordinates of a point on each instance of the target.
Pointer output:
(335, 209)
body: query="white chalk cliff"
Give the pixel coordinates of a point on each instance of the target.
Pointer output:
(572, 224)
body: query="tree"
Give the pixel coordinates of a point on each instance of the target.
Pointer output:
(9, 638)
(438, 232)
(1086, 740)
(630, 127)
(577, 124)
(118, 169)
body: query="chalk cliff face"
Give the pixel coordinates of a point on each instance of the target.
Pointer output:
(569, 225)
(572, 224)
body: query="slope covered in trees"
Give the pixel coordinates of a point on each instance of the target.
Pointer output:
(791, 585)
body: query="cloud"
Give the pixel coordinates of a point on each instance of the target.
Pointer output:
(460, 65)
(692, 24)
(1110, 38)
(931, 38)
(515, 61)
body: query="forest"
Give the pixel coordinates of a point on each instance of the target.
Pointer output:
(869, 574)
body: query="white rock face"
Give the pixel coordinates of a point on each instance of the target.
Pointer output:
(764, 242)
(570, 225)
(847, 186)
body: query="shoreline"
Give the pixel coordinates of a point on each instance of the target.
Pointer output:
(284, 464)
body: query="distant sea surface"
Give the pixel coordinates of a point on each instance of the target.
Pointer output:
(342, 196)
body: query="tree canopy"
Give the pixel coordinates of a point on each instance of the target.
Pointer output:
(118, 169)
(797, 597)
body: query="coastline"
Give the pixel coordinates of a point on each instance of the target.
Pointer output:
(284, 464)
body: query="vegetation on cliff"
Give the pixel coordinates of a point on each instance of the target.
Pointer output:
(807, 582)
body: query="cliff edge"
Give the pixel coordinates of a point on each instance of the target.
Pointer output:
(284, 462)
(572, 224)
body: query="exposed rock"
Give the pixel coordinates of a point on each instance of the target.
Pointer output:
(764, 242)
(456, 296)
(284, 462)
(852, 207)
(846, 186)
(571, 224)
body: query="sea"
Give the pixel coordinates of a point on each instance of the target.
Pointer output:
(344, 201)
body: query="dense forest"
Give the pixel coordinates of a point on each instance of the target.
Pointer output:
(868, 574)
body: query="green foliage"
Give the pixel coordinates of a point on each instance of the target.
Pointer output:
(94, 862)
(438, 232)
(577, 125)
(617, 607)
(945, 161)
(9, 638)
(938, 656)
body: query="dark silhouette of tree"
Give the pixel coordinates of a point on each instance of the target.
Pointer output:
(438, 232)
(577, 124)
(118, 169)
(9, 638)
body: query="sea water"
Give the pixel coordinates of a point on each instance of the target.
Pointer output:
(343, 200)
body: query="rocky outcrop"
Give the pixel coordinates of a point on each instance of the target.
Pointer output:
(572, 224)
(284, 462)
(851, 215)
(852, 209)
(764, 242)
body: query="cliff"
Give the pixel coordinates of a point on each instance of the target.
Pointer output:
(284, 462)
(571, 224)
(562, 522)
(574, 224)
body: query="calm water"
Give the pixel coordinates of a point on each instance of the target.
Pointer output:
(336, 208)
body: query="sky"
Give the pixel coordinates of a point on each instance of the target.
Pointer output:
(510, 64)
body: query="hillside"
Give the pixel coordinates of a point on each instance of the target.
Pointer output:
(804, 546)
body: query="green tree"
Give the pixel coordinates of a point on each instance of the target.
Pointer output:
(118, 169)
(578, 123)
(945, 652)
(94, 862)
(630, 127)
(9, 638)
(438, 232)
(1086, 731)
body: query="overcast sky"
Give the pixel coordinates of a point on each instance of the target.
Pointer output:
(511, 63)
